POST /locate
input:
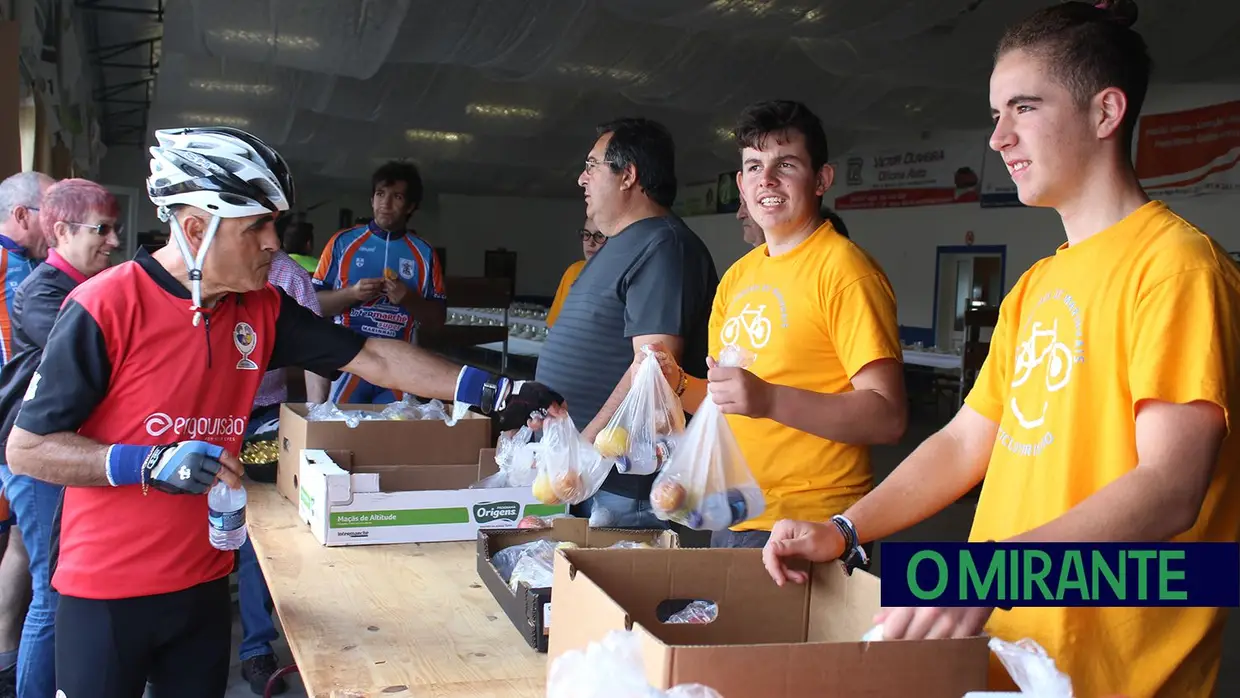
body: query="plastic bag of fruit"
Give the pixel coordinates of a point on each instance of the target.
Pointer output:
(707, 485)
(570, 471)
(639, 436)
(611, 668)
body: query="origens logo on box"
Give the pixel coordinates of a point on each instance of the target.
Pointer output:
(496, 512)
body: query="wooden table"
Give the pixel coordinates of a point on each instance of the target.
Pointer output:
(388, 620)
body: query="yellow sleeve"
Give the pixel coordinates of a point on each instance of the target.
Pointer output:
(566, 282)
(863, 324)
(990, 389)
(1184, 345)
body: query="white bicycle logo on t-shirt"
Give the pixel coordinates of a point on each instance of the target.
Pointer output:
(1057, 357)
(756, 327)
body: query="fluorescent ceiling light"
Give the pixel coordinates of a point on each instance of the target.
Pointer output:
(596, 71)
(215, 119)
(232, 87)
(418, 134)
(256, 38)
(502, 111)
(758, 9)
(723, 133)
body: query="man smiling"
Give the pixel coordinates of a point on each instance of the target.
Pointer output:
(820, 318)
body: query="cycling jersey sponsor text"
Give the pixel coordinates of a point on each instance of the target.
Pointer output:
(161, 423)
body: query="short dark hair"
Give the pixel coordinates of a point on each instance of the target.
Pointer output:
(648, 146)
(763, 119)
(1088, 48)
(398, 171)
(298, 238)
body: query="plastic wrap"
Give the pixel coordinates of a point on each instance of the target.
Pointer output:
(405, 409)
(640, 435)
(570, 471)
(611, 668)
(707, 485)
(517, 458)
(696, 613)
(1032, 669)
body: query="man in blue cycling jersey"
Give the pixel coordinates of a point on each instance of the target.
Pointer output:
(380, 279)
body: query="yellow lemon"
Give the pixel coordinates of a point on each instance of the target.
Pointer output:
(542, 490)
(612, 442)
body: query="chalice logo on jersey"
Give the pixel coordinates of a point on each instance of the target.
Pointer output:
(245, 340)
(406, 268)
(1051, 345)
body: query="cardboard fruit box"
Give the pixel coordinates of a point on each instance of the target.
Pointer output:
(529, 608)
(346, 504)
(766, 641)
(377, 443)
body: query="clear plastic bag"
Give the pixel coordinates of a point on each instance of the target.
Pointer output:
(570, 471)
(707, 485)
(409, 408)
(1032, 669)
(517, 459)
(329, 412)
(696, 613)
(639, 436)
(611, 668)
(507, 560)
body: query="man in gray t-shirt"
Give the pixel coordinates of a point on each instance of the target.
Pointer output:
(653, 282)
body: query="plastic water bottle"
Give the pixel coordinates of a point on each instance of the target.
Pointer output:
(226, 516)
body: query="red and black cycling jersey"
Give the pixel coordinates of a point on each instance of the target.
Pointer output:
(125, 364)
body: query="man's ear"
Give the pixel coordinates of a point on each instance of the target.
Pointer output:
(194, 228)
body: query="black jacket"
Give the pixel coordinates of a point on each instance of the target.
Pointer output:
(35, 307)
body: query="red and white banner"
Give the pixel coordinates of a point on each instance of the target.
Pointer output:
(929, 173)
(1192, 152)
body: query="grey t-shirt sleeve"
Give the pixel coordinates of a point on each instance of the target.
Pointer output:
(657, 298)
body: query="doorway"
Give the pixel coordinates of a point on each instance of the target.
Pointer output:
(965, 277)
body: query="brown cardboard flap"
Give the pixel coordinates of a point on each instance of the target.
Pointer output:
(412, 478)
(486, 463)
(841, 609)
(590, 613)
(752, 609)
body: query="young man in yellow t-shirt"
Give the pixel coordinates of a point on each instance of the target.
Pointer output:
(820, 318)
(1101, 413)
(591, 242)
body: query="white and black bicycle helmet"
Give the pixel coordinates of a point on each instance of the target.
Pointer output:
(223, 171)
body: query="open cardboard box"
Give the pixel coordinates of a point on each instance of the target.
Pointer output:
(529, 608)
(766, 641)
(377, 443)
(350, 504)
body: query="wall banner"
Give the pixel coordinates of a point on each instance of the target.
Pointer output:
(929, 173)
(1191, 152)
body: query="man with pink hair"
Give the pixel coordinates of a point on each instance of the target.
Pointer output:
(77, 219)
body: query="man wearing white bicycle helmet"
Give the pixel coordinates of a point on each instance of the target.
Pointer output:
(142, 398)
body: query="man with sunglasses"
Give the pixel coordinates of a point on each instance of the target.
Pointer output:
(591, 242)
(141, 402)
(652, 283)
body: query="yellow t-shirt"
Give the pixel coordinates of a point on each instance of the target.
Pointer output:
(566, 282)
(1145, 310)
(814, 317)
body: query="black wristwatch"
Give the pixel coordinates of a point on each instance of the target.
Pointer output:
(489, 389)
(854, 556)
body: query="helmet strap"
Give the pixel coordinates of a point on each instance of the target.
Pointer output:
(194, 264)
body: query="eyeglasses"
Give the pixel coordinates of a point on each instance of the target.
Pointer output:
(591, 163)
(101, 229)
(586, 236)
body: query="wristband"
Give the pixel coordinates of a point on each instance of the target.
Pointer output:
(854, 555)
(125, 464)
(482, 389)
